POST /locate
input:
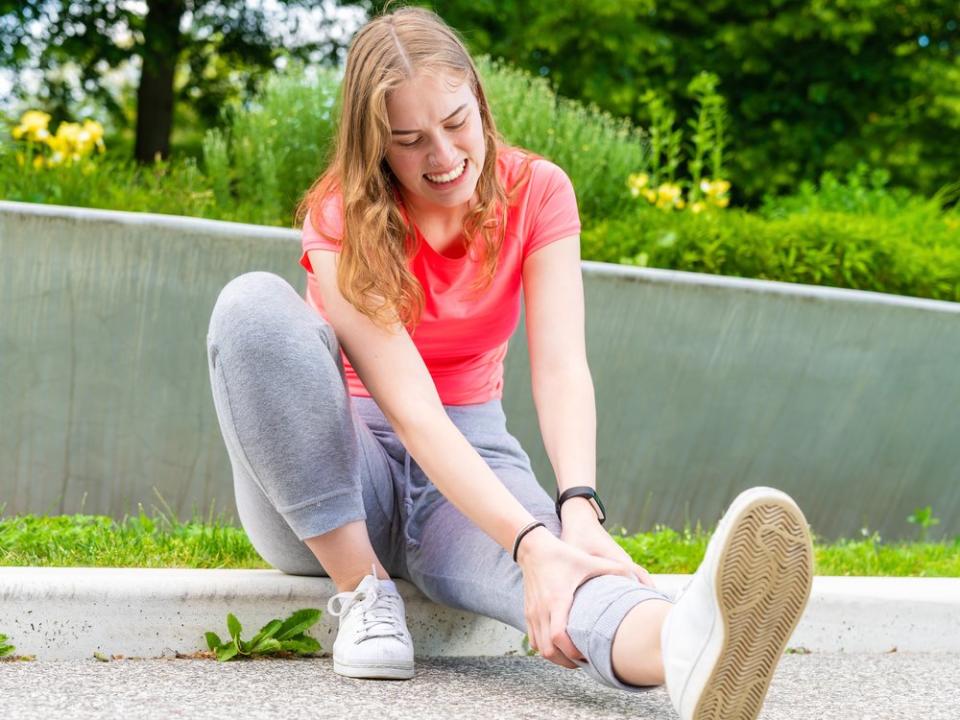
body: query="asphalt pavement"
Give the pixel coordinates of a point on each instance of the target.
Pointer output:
(895, 685)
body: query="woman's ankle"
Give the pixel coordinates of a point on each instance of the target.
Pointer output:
(636, 655)
(347, 555)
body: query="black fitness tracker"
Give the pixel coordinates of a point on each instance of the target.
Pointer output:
(582, 491)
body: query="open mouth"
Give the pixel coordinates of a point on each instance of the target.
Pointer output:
(449, 178)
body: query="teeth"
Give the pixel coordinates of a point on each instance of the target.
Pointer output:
(452, 175)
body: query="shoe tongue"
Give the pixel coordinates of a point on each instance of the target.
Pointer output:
(371, 582)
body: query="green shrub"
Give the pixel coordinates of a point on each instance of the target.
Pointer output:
(176, 188)
(595, 149)
(268, 154)
(849, 235)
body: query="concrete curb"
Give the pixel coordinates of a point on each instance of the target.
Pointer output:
(70, 613)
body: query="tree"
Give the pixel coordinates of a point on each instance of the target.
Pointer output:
(810, 85)
(208, 37)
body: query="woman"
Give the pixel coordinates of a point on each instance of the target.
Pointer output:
(393, 459)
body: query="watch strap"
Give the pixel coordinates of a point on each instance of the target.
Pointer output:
(582, 491)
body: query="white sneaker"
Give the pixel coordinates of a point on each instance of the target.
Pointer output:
(727, 630)
(373, 640)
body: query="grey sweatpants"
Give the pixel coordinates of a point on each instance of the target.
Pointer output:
(307, 458)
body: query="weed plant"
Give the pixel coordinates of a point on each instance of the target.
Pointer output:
(277, 636)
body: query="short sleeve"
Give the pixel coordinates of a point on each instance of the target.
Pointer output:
(328, 232)
(552, 207)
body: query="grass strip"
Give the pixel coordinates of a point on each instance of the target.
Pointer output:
(154, 542)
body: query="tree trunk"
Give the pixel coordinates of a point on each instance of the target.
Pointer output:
(161, 48)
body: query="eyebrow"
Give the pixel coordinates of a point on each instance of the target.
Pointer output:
(412, 132)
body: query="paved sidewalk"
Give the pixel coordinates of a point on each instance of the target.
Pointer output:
(806, 687)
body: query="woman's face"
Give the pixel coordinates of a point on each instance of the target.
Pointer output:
(436, 150)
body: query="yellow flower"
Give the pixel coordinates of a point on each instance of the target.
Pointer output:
(697, 207)
(91, 136)
(637, 182)
(33, 125)
(721, 202)
(70, 143)
(714, 188)
(38, 162)
(650, 195)
(668, 196)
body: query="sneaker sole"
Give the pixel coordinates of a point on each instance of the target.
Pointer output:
(764, 577)
(378, 672)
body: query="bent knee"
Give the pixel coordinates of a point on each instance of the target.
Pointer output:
(252, 301)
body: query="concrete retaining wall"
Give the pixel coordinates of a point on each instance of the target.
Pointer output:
(705, 385)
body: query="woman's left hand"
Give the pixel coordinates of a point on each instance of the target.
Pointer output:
(589, 535)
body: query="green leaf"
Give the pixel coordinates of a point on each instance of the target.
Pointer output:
(297, 623)
(233, 625)
(226, 651)
(303, 644)
(267, 645)
(267, 631)
(6, 649)
(213, 640)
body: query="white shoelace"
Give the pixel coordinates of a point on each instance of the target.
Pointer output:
(379, 612)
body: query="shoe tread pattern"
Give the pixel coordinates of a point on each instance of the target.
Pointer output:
(764, 578)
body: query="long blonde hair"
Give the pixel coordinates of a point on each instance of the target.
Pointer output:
(377, 242)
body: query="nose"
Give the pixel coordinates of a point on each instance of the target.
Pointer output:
(444, 153)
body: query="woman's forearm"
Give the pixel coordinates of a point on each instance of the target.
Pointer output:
(566, 410)
(463, 477)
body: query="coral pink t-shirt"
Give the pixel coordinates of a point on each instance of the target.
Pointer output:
(463, 340)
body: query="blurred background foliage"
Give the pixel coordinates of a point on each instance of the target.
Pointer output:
(811, 85)
(800, 140)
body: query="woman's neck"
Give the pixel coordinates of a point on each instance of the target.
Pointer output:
(439, 224)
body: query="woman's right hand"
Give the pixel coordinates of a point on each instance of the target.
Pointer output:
(552, 572)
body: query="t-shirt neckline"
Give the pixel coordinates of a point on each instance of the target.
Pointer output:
(436, 253)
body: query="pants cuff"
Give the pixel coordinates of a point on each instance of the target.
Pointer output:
(599, 606)
(324, 514)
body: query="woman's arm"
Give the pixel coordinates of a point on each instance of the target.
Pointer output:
(392, 370)
(563, 391)
(562, 386)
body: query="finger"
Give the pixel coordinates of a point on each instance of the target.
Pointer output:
(559, 614)
(643, 576)
(532, 635)
(547, 648)
(612, 568)
(559, 637)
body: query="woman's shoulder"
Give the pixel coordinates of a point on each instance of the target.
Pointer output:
(518, 167)
(525, 173)
(323, 220)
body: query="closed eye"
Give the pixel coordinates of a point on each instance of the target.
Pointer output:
(417, 141)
